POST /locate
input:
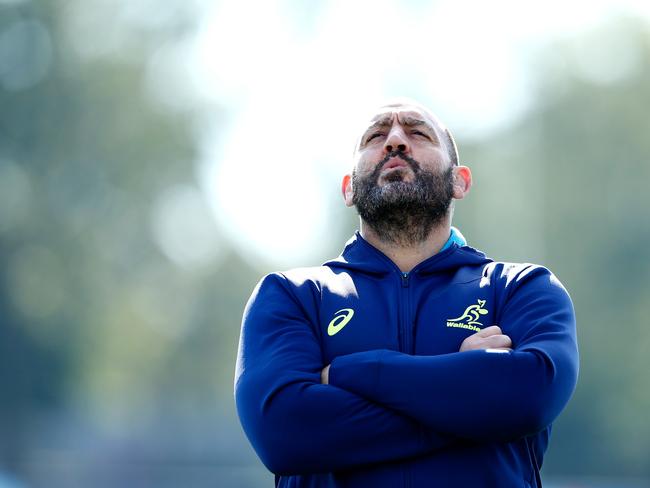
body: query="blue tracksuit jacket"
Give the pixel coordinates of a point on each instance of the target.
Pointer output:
(404, 408)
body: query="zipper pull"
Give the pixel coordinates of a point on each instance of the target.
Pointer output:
(405, 280)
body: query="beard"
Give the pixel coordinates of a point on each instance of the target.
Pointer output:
(403, 213)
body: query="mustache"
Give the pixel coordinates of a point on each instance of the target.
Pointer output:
(415, 166)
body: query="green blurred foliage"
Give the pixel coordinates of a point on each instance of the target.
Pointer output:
(110, 351)
(577, 170)
(104, 340)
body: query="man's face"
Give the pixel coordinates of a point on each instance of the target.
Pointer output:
(409, 129)
(403, 178)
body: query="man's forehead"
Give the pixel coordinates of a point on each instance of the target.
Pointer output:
(403, 111)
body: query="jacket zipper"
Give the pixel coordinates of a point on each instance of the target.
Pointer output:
(406, 342)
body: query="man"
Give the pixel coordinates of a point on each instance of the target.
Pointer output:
(412, 359)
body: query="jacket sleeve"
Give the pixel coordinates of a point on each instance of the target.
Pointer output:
(482, 395)
(295, 424)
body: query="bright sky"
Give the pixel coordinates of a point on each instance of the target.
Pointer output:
(295, 78)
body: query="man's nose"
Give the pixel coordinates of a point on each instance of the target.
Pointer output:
(396, 141)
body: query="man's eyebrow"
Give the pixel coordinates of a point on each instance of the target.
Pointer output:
(381, 122)
(415, 122)
(407, 120)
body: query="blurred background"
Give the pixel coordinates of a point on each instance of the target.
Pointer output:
(157, 158)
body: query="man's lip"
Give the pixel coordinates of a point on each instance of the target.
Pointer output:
(394, 163)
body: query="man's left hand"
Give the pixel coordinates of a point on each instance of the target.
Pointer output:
(488, 338)
(325, 375)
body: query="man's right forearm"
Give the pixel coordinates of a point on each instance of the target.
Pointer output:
(305, 427)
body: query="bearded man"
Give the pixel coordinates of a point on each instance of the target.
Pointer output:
(412, 359)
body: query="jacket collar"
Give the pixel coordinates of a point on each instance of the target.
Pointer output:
(360, 255)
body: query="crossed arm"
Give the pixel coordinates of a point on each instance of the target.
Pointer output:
(296, 424)
(486, 391)
(384, 405)
(491, 338)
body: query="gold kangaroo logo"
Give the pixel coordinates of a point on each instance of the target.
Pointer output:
(470, 316)
(340, 320)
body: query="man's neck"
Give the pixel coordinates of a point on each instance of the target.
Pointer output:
(408, 257)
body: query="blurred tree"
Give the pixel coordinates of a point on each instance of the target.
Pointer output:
(566, 187)
(99, 330)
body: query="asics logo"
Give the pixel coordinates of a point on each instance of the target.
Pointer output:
(339, 321)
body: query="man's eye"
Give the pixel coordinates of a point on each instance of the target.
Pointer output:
(419, 133)
(372, 136)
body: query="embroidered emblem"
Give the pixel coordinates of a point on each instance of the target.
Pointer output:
(469, 319)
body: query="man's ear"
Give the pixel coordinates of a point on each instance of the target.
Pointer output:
(462, 181)
(346, 189)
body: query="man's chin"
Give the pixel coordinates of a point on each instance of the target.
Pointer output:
(393, 175)
(395, 179)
